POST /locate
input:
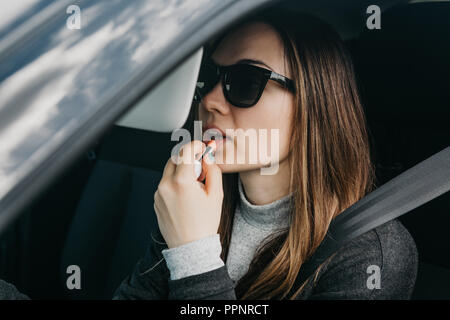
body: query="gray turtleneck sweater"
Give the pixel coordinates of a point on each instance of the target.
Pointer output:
(252, 224)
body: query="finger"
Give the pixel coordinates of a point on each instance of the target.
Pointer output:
(189, 149)
(213, 178)
(203, 173)
(158, 204)
(155, 208)
(207, 159)
(169, 168)
(190, 152)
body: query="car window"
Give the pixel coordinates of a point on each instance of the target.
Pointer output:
(53, 81)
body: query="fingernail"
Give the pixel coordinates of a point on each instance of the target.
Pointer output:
(211, 157)
(197, 168)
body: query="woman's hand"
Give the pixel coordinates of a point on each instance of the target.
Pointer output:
(188, 210)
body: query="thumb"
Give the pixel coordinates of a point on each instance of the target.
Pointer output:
(213, 178)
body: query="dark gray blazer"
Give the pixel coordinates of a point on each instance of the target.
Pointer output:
(390, 247)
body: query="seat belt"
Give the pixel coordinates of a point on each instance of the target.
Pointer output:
(409, 190)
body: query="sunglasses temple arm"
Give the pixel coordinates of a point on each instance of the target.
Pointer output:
(282, 80)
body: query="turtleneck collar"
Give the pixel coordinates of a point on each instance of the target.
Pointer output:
(267, 216)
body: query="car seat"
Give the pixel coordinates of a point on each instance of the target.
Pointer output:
(404, 72)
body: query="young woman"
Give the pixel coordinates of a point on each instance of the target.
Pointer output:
(245, 235)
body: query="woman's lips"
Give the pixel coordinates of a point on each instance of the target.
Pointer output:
(219, 136)
(219, 141)
(214, 128)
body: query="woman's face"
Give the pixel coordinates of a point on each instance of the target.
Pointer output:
(273, 111)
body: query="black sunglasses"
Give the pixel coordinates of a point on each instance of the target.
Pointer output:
(242, 84)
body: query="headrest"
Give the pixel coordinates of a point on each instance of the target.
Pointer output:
(404, 67)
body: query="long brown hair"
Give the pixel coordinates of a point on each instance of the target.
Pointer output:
(329, 156)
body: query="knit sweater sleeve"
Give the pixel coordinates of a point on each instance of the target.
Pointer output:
(151, 278)
(195, 257)
(197, 271)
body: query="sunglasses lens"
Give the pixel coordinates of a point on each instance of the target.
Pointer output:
(243, 85)
(207, 79)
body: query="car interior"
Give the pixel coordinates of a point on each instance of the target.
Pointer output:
(99, 214)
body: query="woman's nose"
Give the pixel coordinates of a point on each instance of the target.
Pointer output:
(215, 101)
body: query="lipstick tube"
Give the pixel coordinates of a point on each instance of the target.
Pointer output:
(210, 148)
